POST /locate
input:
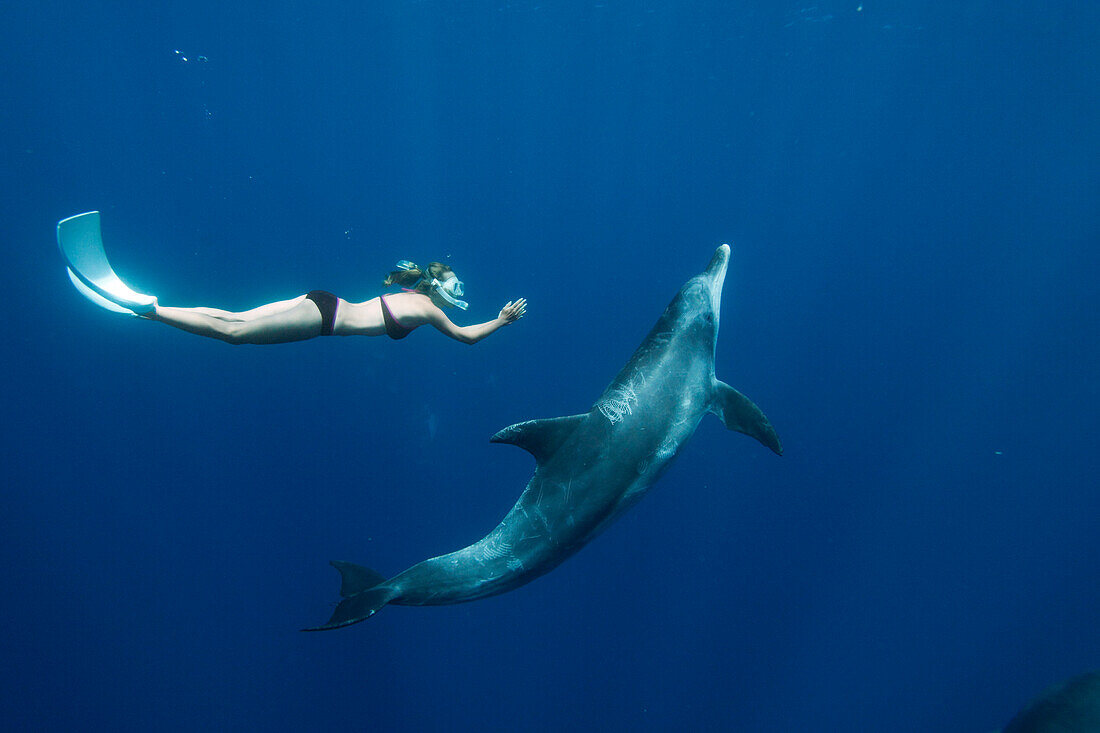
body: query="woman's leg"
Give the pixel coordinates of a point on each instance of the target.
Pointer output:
(265, 325)
(248, 315)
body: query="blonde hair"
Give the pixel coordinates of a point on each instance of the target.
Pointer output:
(417, 278)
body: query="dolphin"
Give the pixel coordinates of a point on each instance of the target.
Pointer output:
(1071, 706)
(590, 468)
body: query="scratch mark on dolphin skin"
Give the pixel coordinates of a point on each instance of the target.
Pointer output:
(619, 403)
(545, 520)
(497, 549)
(536, 515)
(667, 450)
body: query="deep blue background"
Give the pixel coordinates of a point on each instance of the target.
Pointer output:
(910, 190)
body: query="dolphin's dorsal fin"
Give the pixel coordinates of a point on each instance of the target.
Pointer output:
(739, 413)
(540, 438)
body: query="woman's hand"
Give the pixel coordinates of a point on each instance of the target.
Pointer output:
(512, 312)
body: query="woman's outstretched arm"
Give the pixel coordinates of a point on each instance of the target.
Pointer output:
(509, 314)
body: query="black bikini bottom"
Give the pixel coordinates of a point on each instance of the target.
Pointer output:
(326, 302)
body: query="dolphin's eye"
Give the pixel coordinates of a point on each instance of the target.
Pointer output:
(708, 317)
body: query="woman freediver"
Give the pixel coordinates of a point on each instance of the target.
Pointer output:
(320, 313)
(426, 292)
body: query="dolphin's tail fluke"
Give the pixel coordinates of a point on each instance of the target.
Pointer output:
(739, 413)
(364, 592)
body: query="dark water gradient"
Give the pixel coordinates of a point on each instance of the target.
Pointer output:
(910, 190)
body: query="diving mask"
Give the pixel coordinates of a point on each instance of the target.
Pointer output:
(449, 290)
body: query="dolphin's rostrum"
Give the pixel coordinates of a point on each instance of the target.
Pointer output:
(590, 468)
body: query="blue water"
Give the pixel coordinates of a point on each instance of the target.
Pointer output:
(910, 190)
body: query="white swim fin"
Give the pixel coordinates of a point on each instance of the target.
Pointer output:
(81, 245)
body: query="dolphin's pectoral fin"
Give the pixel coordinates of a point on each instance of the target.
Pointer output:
(739, 413)
(361, 601)
(540, 438)
(356, 578)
